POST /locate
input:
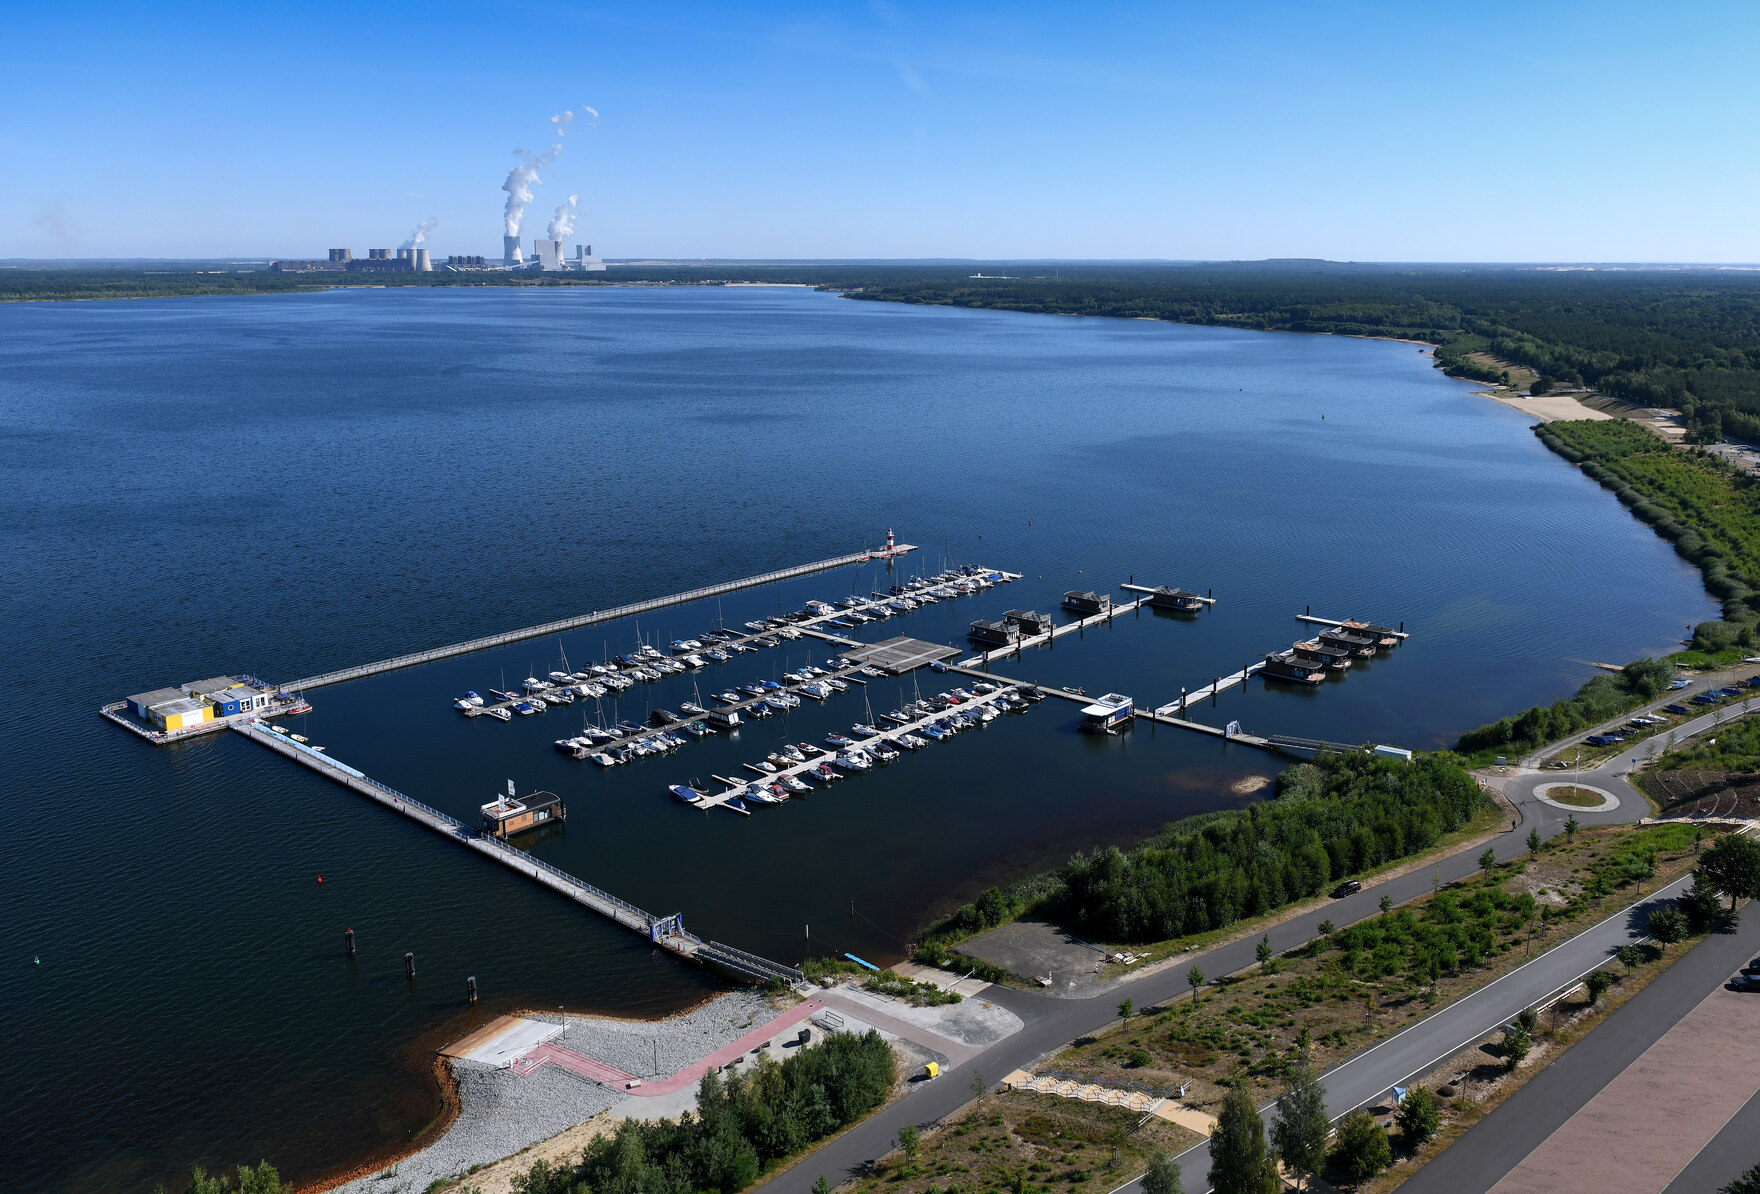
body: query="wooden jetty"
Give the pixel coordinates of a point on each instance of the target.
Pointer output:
(808, 626)
(1401, 634)
(1149, 589)
(1078, 625)
(667, 932)
(720, 799)
(604, 615)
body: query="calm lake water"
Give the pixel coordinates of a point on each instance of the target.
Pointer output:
(282, 485)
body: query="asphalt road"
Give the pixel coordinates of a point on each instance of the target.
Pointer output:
(1051, 1023)
(1499, 1142)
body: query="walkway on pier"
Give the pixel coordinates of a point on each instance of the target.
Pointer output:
(608, 615)
(685, 945)
(1401, 635)
(893, 731)
(1038, 639)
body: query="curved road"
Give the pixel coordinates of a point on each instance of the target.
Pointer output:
(1051, 1023)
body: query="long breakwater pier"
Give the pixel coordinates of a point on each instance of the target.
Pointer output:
(600, 615)
(666, 932)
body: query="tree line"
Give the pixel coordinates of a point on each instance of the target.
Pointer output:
(744, 1122)
(1335, 817)
(1603, 697)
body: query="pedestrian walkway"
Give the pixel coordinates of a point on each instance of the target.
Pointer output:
(1170, 1110)
(598, 1071)
(1646, 1125)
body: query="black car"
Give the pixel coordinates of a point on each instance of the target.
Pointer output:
(1744, 982)
(1348, 887)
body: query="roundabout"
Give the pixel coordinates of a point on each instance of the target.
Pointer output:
(1577, 797)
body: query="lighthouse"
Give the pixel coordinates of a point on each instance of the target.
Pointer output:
(889, 543)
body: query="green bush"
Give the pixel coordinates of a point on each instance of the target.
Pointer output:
(1360, 1148)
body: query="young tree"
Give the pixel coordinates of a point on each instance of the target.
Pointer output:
(1125, 1008)
(1239, 1160)
(1528, 1020)
(1701, 903)
(909, 1141)
(1630, 956)
(979, 1088)
(1162, 1176)
(1517, 1044)
(1262, 951)
(1194, 979)
(1362, 1149)
(1534, 841)
(1571, 827)
(1419, 1118)
(1327, 927)
(1299, 1132)
(1386, 904)
(1732, 866)
(1668, 925)
(1488, 862)
(821, 1186)
(1597, 981)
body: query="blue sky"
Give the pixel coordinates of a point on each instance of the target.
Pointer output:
(1362, 131)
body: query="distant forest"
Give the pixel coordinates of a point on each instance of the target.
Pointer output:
(1687, 339)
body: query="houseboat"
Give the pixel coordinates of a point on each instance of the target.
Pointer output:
(1384, 636)
(1285, 665)
(995, 634)
(1108, 714)
(1314, 651)
(1087, 603)
(1029, 622)
(1177, 600)
(507, 815)
(1360, 645)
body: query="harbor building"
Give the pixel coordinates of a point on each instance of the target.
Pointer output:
(1030, 623)
(1087, 603)
(230, 695)
(996, 634)
(170, 709)
(508, 815)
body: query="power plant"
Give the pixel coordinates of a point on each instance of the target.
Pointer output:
(547, 253)
(546, 256)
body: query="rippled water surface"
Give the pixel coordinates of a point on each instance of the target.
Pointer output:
(282, 485)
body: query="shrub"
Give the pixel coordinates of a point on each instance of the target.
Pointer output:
(1419, 1118)
(1361, 1148)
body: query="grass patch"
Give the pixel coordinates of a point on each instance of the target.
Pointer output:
(1027, 1143)
(1579, 797)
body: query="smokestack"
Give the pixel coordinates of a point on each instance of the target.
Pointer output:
(510, 251)
(422, 263)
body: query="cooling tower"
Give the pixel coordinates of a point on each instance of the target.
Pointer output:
(510, 251)
(422, 263)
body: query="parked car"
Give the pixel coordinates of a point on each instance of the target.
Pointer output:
(1744, 982)
(1348, 887)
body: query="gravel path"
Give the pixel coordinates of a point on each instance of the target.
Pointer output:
(500, 1114)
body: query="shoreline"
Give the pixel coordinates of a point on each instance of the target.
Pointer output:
(492, 1114)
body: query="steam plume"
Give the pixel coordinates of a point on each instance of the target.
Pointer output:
(420, 234)
(523, 177)
(562, 223)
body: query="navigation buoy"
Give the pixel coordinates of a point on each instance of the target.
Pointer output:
(320, 878)
(38, 961)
